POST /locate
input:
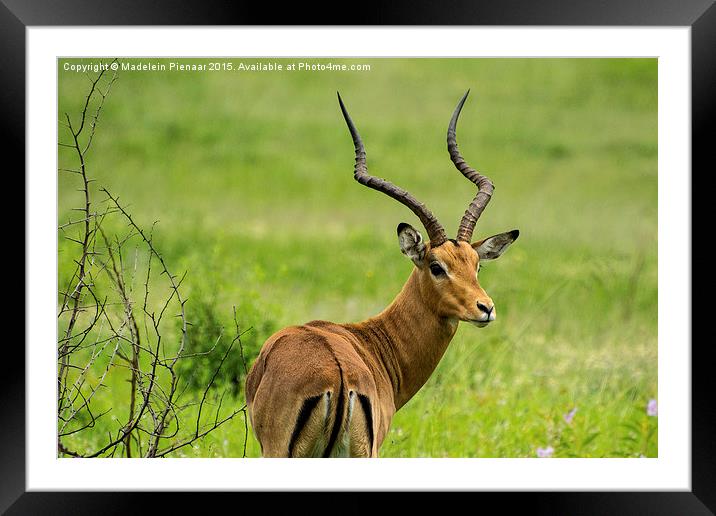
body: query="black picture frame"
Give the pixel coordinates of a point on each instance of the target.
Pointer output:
(699, 15)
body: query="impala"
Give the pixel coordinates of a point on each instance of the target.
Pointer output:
(330, 390)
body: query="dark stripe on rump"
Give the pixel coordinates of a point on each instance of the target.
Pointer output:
(339, 414)
(337, 423)
(302, 419)
(368, 410)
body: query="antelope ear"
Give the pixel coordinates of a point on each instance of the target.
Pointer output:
(411, 243)
(492, 247)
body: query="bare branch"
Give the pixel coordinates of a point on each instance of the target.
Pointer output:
(103, 337)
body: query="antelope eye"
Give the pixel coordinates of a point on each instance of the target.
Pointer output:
(436, 270)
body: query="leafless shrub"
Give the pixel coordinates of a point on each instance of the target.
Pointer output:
(110, 329)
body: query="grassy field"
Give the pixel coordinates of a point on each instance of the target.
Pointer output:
(250, 177)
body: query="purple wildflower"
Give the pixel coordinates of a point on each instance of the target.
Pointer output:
(569, 416)
(545, 452)
(651, 409)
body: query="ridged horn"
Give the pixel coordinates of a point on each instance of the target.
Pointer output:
(436, 233)
(484, 185)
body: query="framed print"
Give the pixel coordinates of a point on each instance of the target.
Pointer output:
(221, 289)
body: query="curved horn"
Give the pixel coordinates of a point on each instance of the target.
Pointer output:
(484, 185)
(436, 233)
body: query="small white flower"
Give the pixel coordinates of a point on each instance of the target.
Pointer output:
(545, 452)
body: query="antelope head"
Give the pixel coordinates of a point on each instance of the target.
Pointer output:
(446, 268)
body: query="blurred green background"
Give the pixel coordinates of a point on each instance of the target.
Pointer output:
(250, 177)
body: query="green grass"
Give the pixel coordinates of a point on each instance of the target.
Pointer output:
(250, 177)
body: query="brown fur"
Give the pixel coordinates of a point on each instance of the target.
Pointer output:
(386, 359)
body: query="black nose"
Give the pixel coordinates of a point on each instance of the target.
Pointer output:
(485, 308)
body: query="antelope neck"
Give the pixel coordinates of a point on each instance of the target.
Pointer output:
(416, 337)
